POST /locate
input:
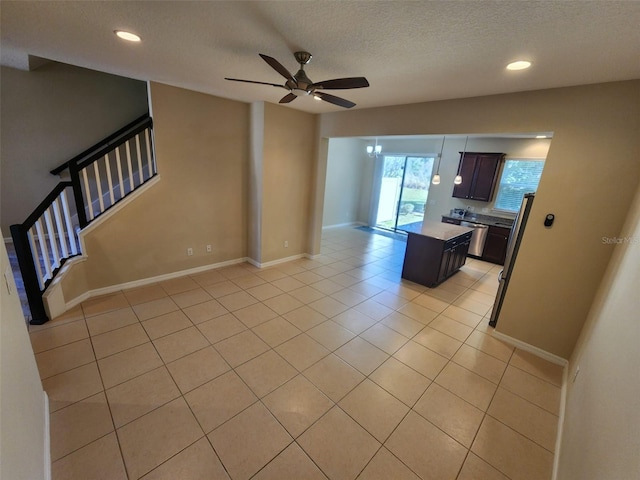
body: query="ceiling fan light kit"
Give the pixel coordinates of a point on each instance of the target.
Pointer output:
(300, 85)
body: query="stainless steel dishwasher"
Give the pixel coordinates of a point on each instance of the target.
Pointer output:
(478, 237)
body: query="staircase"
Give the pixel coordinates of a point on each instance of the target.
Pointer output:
(98, 179)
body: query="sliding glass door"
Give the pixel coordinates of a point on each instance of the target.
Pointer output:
(403, 190)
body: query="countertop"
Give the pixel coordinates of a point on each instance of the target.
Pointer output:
(484, 219)
(439, 230)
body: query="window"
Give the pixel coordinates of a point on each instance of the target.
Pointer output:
(518, 177)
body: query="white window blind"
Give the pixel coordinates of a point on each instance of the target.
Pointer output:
(518, 177)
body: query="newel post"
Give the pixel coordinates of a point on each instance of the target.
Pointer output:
(29, 274)
(74, 172)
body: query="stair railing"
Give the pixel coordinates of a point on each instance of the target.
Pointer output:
(108, 174)
(42, 243)
(99, 178)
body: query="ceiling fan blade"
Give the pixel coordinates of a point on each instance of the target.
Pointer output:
(287, 98)
(253, 81)
(342, 83)
(277, 66)
(341, 102)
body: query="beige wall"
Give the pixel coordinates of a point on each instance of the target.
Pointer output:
(601, 438)
(591, 173)
(202, 148)
(48, 116)
(288, 169)
(22, 416)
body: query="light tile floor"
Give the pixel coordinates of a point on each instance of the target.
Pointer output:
(328, 368)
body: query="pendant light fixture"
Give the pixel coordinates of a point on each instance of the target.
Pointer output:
(458, 179)
(436, 177)
(374, 151)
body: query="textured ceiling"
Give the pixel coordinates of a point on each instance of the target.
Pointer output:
(410, 51)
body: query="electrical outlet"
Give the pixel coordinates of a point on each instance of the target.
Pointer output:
(208, 248)
(189, 251)
(286, 243)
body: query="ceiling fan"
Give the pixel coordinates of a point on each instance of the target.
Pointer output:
(300, 85)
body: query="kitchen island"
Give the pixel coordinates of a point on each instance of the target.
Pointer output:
(434, 252)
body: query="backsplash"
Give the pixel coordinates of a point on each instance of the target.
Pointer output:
(479, 217)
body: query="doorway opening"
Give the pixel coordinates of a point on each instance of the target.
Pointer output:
(403, 185)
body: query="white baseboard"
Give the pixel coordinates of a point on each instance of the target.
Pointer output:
(339, 225)
(561, 414)
(538, 352)
(278, 261)
(56, 304)
(255, 263)
(563, 392)
(47, 438)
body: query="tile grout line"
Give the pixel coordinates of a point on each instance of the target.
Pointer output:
(359, 335)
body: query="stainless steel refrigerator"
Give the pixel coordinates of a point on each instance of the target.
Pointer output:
(515, 238)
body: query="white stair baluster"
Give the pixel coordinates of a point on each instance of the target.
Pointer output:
(35, 255)
(67, 221)
(150, 158)
(62, 237)
(107, 164)
(127, 150)
(120, 182)
(51, 234)
(140, 170)
(96, 171)
(88, 193)
(43, 251)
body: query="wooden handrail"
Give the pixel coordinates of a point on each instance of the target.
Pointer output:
(46, 203)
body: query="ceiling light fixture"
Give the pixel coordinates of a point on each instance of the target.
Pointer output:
(436, 177)
(519, 65)
(128, 36)
(458, 179)
(541, 136)
(374, 151)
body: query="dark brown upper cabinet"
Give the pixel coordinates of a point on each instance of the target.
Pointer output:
(479, 173)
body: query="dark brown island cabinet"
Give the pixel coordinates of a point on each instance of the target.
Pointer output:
(479, 172)
(435, 253)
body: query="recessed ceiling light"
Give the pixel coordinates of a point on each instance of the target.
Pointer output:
(128, 36)
(519, 65)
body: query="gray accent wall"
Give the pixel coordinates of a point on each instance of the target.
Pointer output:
(48, 116)
(349, 177)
